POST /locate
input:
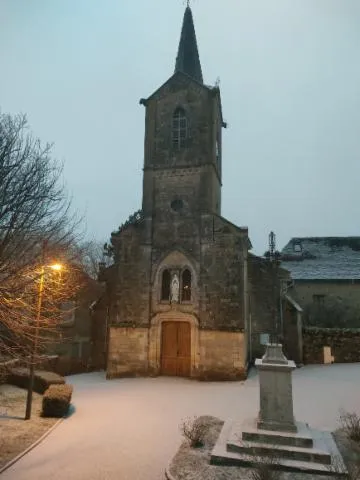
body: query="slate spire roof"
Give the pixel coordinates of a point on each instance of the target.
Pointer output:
(187, 60)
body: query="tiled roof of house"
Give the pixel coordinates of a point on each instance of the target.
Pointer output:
(322, 258)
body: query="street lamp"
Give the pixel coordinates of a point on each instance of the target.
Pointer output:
(56, 267)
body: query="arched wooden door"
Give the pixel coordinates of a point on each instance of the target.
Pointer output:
(175, 349)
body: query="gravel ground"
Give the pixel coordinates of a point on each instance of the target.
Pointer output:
(16, 434)
(128, 429)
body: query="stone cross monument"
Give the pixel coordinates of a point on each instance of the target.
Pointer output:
(297, 446)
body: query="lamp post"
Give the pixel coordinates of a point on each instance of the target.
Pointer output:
(56, 267)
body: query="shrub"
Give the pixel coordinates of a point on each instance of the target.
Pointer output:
(42, 379)
(350, 423)
(194, 430)
(336, 468)
(56, 400)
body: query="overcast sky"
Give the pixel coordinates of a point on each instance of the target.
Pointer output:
(290, 84)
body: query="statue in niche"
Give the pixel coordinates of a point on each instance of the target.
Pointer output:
(175, 287)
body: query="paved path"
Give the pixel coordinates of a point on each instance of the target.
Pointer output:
(127, 429)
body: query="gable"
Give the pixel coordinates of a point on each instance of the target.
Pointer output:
(178, 81)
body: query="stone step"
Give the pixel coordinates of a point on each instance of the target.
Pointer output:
(302, 438)
(323, 442)
(286, 465)
(281, 451)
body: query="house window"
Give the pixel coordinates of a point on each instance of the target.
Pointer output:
(319, 299)
(165, 285)
(186, 286)
(297, 247)
(179, 128)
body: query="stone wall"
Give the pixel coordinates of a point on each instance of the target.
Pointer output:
(292, 330)
(215, 355)
(128, 352)
(130, 295)
(264, 300)
(348, 291)
(202, 109)
(222, 282)
(99, 323)
(344, 344)
(221, 355)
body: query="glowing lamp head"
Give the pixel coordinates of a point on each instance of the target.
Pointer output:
(57, 267)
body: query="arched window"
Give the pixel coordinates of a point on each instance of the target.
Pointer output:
(179, 128)
(186, 286)
(165, 285)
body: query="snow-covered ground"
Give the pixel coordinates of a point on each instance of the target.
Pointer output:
(128, 429)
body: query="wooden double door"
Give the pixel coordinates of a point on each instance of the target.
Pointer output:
(176, 349)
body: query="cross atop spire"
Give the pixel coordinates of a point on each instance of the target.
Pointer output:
(187, 60)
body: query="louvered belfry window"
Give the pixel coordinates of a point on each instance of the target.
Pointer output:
(179, 128)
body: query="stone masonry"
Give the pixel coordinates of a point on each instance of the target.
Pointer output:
(180, 238)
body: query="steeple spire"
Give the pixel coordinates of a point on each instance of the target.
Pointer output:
(187, 60)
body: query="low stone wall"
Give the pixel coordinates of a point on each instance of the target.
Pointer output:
(344, 345)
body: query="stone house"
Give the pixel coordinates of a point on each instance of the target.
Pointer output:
(73, 343)
(184, 295)
(68, 347)
(324, 269)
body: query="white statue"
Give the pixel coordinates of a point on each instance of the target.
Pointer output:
(174, 294)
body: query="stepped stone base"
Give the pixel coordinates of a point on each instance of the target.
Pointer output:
(306, 450)
(302, 437)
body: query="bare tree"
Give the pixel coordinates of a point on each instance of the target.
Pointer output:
(94, 253)
(36, 228)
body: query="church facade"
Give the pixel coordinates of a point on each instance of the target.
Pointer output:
(184, 295)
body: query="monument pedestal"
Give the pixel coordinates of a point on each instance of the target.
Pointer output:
(276, 402)
(275, 437)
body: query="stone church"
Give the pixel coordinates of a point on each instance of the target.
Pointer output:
(185, 296)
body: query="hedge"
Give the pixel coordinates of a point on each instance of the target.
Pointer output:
(19, 376)
(56, 400)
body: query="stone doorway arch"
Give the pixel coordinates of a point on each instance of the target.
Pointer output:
(168, 320)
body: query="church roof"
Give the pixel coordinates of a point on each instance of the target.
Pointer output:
(322, 258)
(187, 60)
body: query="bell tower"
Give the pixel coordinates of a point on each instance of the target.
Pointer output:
(182, 148)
